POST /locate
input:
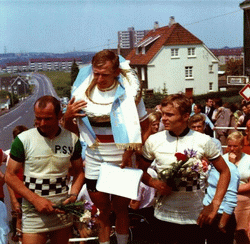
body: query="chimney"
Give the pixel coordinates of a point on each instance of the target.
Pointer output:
(156, 25)
(171, 21)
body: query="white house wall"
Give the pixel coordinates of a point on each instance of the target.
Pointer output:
(171, 71)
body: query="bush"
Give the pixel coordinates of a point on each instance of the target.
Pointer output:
(230, 96)
(151, 100)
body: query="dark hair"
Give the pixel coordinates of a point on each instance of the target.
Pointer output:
(43, 101)
(208, 98)
(102, 57)
(179, 101)
(243, 105)
(198, 106)
(18, 129)
(218, 101)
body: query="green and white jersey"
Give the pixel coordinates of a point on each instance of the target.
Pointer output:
(46, 161)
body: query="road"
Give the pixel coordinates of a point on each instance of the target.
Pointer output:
(22, 113)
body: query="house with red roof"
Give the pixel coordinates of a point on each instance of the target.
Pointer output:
(172, 58)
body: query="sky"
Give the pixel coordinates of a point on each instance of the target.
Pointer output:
(61, 26)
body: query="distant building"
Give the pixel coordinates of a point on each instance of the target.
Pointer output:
(173, 59)
(49, 64)
(17, 67)
(45, 64)
(130, 38)
(15, 85)
(225, 54)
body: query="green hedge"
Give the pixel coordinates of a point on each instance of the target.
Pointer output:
(230, 96)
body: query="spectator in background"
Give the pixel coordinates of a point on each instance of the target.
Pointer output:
(3, 158)
(209, 126)
(242, 161)
(197, 123)
(4, 225)
(191, 99)
(15, 198)
(222, 229)
(247, 114)
(223, 117)
(208, 108)
(154, 119)
(246, 146)
(242, 117)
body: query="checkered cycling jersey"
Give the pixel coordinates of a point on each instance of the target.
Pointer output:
(46, 161)
(45, 187)
(182, 206)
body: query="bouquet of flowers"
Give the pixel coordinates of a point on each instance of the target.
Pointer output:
(84, 211)
(187, 165)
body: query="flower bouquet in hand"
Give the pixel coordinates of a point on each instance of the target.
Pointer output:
(188, 165)
(84, 211)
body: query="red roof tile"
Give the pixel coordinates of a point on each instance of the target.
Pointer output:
(169, 36)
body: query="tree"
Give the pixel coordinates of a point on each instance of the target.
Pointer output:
(74, 72)
(7, 95)
(234, 67)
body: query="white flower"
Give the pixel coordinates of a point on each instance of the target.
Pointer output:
(85, 218)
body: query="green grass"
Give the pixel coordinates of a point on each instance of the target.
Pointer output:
(60, 81)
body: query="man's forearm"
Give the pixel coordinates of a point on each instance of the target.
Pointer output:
(77, 182)
(17, 185)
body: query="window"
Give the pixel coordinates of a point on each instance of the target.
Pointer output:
(210, 86)
(174, 52)
(191, 51)
(188, 72)
(210, 68)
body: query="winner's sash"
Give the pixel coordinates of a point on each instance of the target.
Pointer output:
(124, 116)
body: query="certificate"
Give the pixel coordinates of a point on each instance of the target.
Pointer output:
(121, 182)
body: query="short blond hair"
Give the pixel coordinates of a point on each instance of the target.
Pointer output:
(236, 135)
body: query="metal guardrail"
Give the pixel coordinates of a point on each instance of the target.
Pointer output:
(227, 128)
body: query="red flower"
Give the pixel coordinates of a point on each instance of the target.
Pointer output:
(94, 210)
(204, 165)
(181, 156)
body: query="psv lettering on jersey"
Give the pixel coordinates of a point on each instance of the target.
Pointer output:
(63, 149)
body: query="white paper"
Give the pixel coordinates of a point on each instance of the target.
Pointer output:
(121, 182)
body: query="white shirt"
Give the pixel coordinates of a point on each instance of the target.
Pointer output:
(180, 207)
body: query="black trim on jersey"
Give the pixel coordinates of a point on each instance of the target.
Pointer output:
(185, 132)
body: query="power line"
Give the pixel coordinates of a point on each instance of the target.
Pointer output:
(213, 17)
(197, 22)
